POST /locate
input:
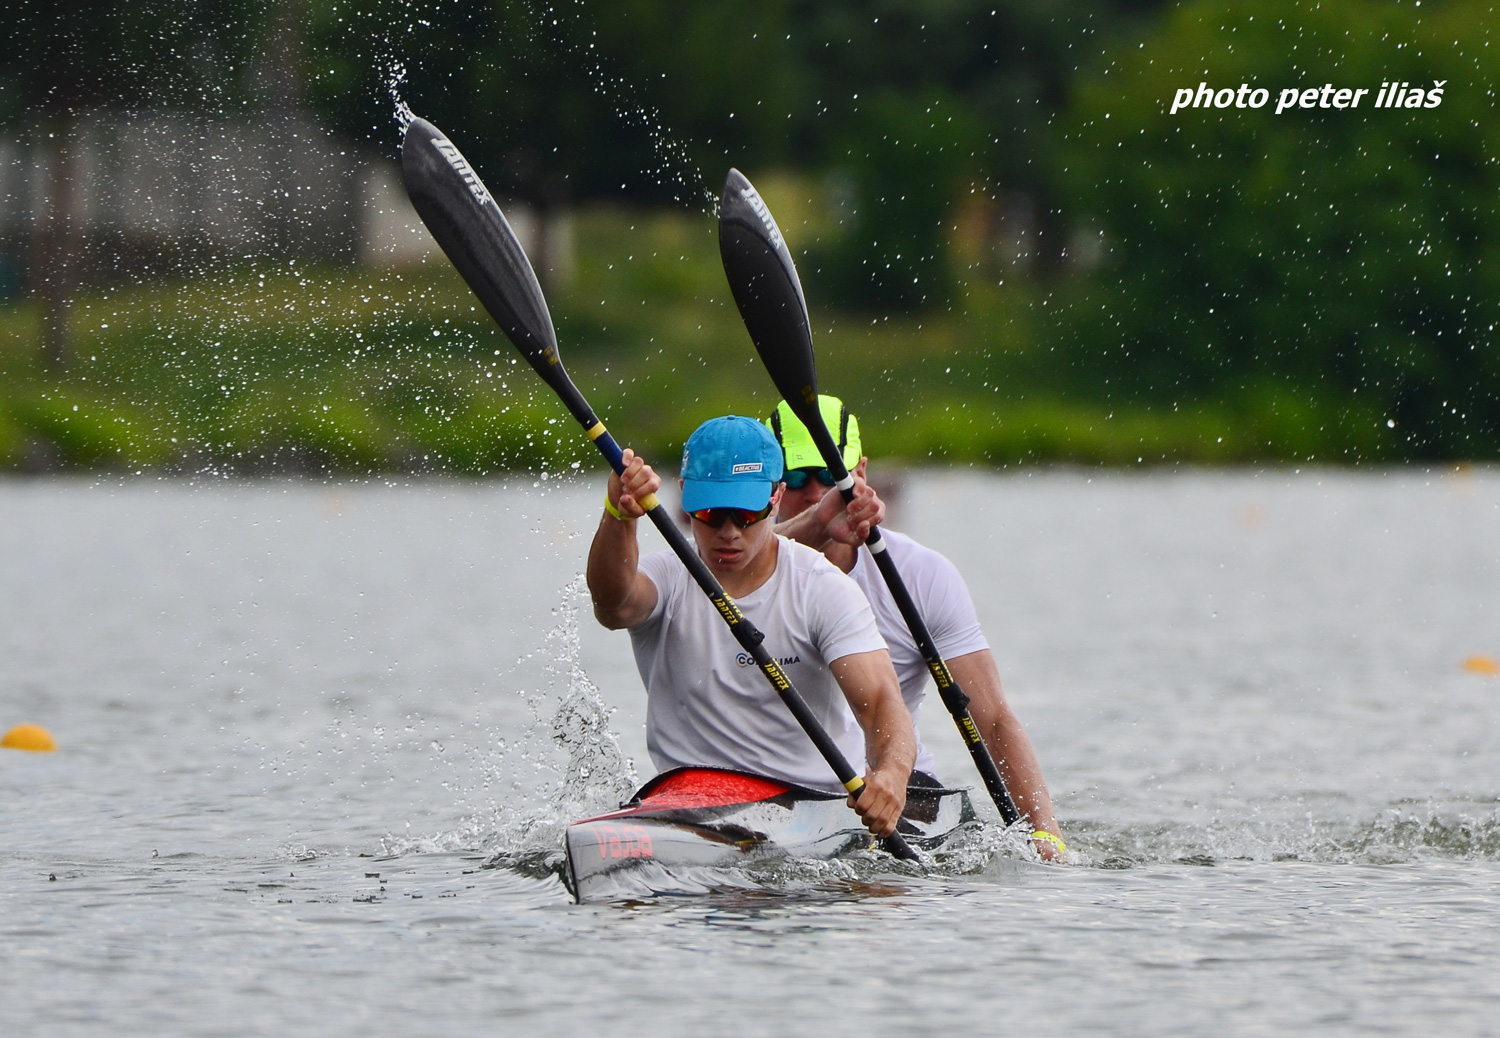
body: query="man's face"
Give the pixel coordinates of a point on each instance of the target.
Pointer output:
(728, 549)
(795, 502)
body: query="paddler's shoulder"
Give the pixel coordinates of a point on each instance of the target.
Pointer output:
(900, 542)
(814, 577)
(797, 556)
(899, 545)
(916, 561)
(661, 565)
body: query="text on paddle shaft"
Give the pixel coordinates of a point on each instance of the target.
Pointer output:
(623, 841)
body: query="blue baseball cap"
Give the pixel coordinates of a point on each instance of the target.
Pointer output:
(730, 462)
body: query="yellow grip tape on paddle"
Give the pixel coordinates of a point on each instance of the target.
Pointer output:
(854, 785)
(648, 502)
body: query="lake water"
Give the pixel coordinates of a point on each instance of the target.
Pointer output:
(307, 780)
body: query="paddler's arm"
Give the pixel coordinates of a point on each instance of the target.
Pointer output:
(869, 684)
(979, 677)
(623, 595)
(832, 522)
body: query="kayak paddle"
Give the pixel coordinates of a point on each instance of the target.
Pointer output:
(464, 219)
(769, 294)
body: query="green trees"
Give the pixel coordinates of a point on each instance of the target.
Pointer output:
(1349, 258)
(1335, 267)
(904, 105)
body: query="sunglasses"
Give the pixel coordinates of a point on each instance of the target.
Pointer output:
(796, 479)
(741, 517)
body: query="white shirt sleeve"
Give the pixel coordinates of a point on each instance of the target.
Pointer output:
(948, 609)
(666, 571)
(842, 620)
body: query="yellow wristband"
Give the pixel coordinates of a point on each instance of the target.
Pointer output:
(1046, 837)
(612, 510)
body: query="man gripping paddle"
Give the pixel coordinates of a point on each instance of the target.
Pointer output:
(706, 703)
(813, 513)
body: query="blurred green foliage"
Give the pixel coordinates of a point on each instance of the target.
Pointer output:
(258, 370)
(64, 59)
(1214, 284)
(276, 368)
(906, 104)
(1347, 258)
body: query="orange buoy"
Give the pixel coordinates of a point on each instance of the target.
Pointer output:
(28, 737)
(1482, 665)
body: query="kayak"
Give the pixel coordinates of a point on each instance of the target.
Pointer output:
(687, 822)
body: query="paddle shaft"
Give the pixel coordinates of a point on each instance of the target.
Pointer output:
(949, 690)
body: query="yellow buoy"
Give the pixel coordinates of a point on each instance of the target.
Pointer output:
(28, 737)
(1482, 665)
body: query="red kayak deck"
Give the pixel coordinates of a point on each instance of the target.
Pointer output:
(698, 788)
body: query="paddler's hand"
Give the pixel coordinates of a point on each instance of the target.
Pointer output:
(1049, 846)
(637, 481)
(881, 801)
(850, 523)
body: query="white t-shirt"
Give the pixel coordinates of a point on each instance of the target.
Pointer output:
(944, 602)
(708, 704)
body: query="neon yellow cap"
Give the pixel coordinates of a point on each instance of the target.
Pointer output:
(797, 443)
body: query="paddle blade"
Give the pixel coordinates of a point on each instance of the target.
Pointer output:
(461, 214)
(764, 281)
(766, 288)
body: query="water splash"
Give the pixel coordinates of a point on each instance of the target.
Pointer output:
(674, 168)
(976, 846)
(598, 775)
(988, 850)
(395, 78)
(1399, 836)
(565, 765)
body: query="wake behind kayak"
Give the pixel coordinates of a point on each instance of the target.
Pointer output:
(686, 823)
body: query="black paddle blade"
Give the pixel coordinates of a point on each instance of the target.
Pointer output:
(766, 288)
(459, 211)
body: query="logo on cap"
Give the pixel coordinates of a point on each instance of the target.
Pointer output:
(747, 466)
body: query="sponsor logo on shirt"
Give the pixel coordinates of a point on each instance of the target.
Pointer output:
(744, 659)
